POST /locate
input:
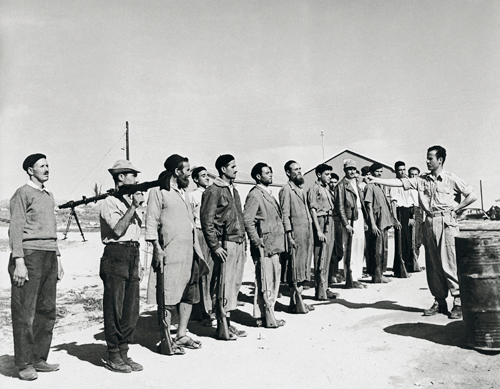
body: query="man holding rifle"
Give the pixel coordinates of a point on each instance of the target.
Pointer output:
(120, 268)
(170, 227)
(222, 224)
(298, 229)
(264, 226)
(34, 268)
(320, 202)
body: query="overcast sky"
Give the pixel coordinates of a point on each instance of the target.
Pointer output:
(257, 79)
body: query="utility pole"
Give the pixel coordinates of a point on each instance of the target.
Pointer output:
(481, 191)
(127, 147)
(322, 143)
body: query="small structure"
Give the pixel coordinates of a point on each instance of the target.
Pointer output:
(337, 162)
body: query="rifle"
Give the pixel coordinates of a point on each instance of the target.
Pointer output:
(268, 312)
(300, 307)
(347, 262)
(323, 262)
(123, 189)
(222, 325)
(165, 346)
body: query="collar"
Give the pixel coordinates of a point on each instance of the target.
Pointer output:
(320, 183)
(293, 185)
(265, 189)
(35, 186)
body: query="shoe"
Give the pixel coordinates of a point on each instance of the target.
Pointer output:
(436, 308)
(240, 334)
(117, 365)
(456, 312)
(133, 365)
(28, 374)
(45, 367)
(332, 295)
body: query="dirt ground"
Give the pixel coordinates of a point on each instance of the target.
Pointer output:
(369, 338)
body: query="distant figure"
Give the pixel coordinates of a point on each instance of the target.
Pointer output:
(264, 226)
(120, 268)
(402, 206)
(381, 219)
(436, 196)
(34, 268)
(349, 200)
(170, 228)
(299, 235)
(334, 276)
(205, 306)
(320, 202)
(221, 217)
(418, 217)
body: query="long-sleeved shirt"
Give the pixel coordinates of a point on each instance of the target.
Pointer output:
(32, 220)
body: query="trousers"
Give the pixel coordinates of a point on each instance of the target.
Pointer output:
(119, 272)
(33, 307)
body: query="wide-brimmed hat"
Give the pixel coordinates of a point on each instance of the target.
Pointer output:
(123, 166)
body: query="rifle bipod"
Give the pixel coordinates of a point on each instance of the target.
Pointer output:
(70, 218)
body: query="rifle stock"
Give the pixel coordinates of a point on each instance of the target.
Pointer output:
(222, 325)
(348, 271)
(165, 346)
(300, 307)
(268, 311)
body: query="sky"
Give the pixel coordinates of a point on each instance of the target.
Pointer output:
(261, 80)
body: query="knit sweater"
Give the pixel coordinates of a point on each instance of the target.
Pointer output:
(32, 221)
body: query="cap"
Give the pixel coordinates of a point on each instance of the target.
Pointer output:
(122, 166)
(349, 163)
(31, 160)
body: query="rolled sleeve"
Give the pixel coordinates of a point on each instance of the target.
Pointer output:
(461, 186)
(312, 196)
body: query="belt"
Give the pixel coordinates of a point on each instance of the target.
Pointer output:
(438, 213)
(125, 243)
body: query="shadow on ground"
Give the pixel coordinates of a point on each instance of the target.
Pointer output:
(91, 353)
(8, 366)
(384, 304)
(452, 334)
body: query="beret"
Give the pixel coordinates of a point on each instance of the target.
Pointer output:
(31, 160)
(173, 162)
(223, 160)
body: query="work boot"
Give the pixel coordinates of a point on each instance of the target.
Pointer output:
(239, 333)
(128, 361)
(28, 373)
(437, 307)
(456, 311)
(115, 363)
(45, 367)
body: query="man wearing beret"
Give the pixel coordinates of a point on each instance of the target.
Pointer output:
(34, 268)
(120, 270)
(349, 201)
(221, 214)
(170, 227)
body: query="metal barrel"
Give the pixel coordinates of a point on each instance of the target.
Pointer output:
(478, 263)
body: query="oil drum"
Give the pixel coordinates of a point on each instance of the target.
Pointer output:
(478, 263)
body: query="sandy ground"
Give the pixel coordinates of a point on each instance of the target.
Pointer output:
(370, 338)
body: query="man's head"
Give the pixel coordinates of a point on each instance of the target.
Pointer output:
(179, 168)
(334, 179)
(323, 173)
(413, 172)
(436, 155)
(37, 168)
(350, 168)
(200, 177)
(294, 172)
(376, 170)
(400, 169)
(124, 173)
(365, 171)
(262, 173)
(226, 166)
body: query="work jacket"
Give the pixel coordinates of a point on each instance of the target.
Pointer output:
(345, 202)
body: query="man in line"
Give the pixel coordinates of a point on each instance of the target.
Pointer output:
(298, 229)
(416, 222)
(34, 269)
(349, 201)
(205, 306)
(338, 251)
(436, 195)
(221, 218)
(320, 204)
(381, 219)
(264, 226)
(120, 268)
(170, 228)
(402, 206)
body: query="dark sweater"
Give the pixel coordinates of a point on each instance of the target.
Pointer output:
(32, 221)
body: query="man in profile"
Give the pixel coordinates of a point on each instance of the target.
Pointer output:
(34, 269)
